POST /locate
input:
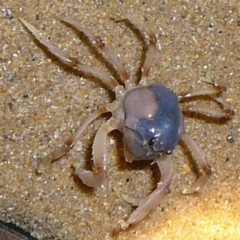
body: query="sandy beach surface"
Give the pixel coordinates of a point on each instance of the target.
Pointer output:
(42, 102)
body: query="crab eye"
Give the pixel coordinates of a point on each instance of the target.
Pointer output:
(151, 142)
(168, 152)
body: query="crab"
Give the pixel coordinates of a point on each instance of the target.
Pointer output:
(147, 113)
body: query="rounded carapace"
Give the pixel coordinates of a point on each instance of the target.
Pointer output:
(153, 121)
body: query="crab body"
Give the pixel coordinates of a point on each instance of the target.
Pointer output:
(153, 121)
(148, 116)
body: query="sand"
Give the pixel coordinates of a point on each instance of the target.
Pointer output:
(42, 102)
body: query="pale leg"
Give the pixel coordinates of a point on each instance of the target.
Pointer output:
(73, 62)
(215, 92)
(96, 177)
(112, 58)
(69, 143)
(197, 154)
(208, 111)
(145, 205)
(151, 47)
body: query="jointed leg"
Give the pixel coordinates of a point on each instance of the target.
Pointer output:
(96, 177)
(151, 49)
(208, 111)
(215, 92)
(197, 154)
(69, 143)
(101, 45)
(145, 205)
(66, 58)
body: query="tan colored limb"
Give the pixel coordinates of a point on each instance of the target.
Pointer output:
(66, 58)
(151, 48)
(145, 205)
(214, 90)
(112, 58)
(197, 154)
(208, 111)
(69, 143)
(96, 177)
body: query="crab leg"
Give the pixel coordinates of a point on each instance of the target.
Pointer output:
(96, 177)
(112, 58)
(69, 143)
(214, 90)
(66, 58)
(216, 93)
(145, 205)
(151, 48)
(208, 111)
(202, 181)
